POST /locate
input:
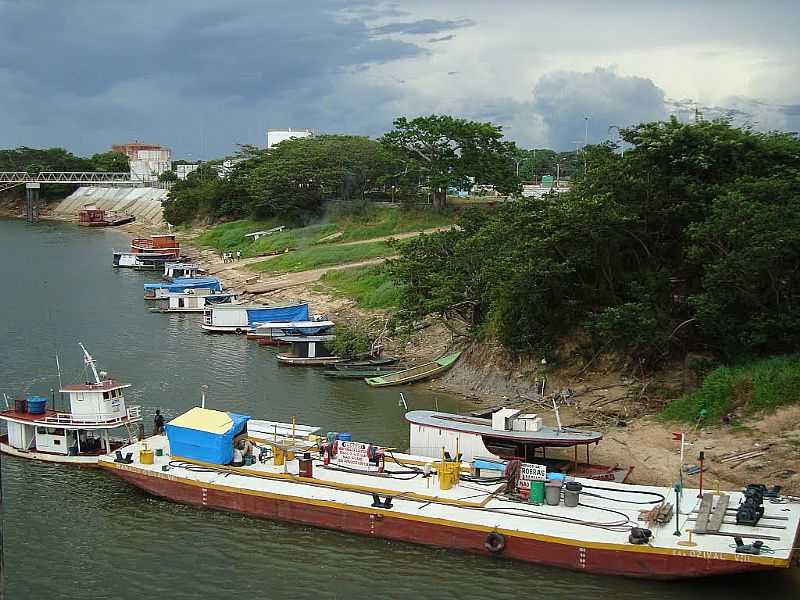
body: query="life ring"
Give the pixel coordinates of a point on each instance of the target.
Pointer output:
(238, 331)
(494, 542)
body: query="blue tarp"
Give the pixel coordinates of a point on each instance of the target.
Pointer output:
(186, 283)
(205, 446)
(277, 314)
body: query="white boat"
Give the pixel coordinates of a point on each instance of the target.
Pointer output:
(173, 270)
(308, 351)
(270, 332)
(80, 436)
(242, 318)
(198, 300)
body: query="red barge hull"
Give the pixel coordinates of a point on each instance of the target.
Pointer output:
(638, 561)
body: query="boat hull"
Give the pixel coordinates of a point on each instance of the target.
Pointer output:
(81, 461)
(300, 361)
(634, 561)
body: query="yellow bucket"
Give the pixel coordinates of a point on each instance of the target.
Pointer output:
(279, 456)
(146, 457)
(448, 472)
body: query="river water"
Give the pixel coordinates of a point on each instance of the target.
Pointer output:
(83, 534)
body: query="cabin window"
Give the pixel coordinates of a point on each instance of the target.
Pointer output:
(41, 430)
(106, 395)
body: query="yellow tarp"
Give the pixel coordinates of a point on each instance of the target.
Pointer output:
(204, 419)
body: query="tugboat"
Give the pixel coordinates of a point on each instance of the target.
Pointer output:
(226, 461)
(80, 436)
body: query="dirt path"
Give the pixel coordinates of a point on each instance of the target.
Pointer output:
(287, 280)
(399, 236)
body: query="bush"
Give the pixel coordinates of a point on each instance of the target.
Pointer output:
(351, 341)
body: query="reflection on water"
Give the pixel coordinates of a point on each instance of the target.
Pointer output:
(72, 533)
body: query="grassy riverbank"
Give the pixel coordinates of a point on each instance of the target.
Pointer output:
(371, 287)
(322, 256)
(339, 225)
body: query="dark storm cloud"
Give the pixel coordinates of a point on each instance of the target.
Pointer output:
(423, 27)
(563, 99)
(153, 67)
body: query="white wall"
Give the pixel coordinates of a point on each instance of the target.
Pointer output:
(276, 136)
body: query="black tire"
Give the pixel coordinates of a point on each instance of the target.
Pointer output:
(494, 542)
(238, 331)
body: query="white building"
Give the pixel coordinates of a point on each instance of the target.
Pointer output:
(149, 164)
(183, 171)
(276, 136)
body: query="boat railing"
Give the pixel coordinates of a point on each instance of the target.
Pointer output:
(132, 413)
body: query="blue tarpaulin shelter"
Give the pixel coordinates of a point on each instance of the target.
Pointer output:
(277, 314)
(180, 284)
(205, 435)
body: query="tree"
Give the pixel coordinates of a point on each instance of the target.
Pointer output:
(111, 162)
(441, 152)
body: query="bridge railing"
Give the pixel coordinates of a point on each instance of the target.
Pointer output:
(79, 177)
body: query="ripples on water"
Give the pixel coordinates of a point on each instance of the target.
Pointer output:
(72, 533)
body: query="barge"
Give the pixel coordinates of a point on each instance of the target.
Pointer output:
(218, 460)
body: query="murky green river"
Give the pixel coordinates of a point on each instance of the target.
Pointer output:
(83, 534)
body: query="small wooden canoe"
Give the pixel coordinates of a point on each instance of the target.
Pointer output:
(368, 363)
(305, 361)
(425, 371)
(360, 373)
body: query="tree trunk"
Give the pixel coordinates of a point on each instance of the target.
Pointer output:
(439, 199)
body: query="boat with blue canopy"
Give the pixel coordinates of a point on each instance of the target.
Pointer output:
(153, 291)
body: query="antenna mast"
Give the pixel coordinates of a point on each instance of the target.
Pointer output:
(88, 361)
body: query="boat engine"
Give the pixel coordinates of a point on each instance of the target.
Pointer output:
(752, 508)
(640, 535)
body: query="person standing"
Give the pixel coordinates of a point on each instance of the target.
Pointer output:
(158, 423)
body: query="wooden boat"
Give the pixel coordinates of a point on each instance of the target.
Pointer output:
(308, 351)
(77, 437)
(366, 364)
(283, 474)
(425, 371)
(91, 216)
(359, 373)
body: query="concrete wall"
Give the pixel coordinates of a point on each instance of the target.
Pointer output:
(144, 203)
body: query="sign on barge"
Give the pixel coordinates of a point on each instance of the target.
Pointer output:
(280, 471)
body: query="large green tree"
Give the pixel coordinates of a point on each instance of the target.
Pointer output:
(441, 152)
(110, 162)
(688, 242)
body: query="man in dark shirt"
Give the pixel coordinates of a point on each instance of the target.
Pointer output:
(158, 422)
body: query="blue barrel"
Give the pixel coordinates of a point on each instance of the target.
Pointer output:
(332, 436)
(37, 404)
(345, 437)
(555, 477)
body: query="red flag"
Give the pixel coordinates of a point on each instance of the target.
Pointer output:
(677, 436)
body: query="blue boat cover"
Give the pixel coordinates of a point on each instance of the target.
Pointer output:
(277, 314)
(186, 283)
(205, 435)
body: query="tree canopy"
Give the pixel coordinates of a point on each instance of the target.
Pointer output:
(446, 152)
(688, 242)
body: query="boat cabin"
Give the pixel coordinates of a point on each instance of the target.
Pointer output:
(242, 318)
(269, 333)
(195, 300)
(173, 270)
(508, 434)
(141, 261)
(163, 243)
(209, 285)
(308, 350)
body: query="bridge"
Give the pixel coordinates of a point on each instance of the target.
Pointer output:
(34, 181)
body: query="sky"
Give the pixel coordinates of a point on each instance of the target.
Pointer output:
(202, 76)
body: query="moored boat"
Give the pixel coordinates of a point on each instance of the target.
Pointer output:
(418, 373)
(174, 270)
(155, 291)
(194, 300)
(91, 216)
(140, 261)
(268, 334)
(368, 363)
(308, 351)
(359, 373)
(243, 318)
(214, 459)
(78, 436)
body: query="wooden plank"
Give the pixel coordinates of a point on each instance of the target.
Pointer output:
(715, 521)
(703, 513)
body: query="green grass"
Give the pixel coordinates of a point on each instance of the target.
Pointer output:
(354, 225)
(756, 386)
(322, 256)
(370, 287)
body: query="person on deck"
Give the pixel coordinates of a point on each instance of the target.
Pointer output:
(158, 423)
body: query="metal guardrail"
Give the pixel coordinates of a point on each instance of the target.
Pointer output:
(133, 413)
(84, 177)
